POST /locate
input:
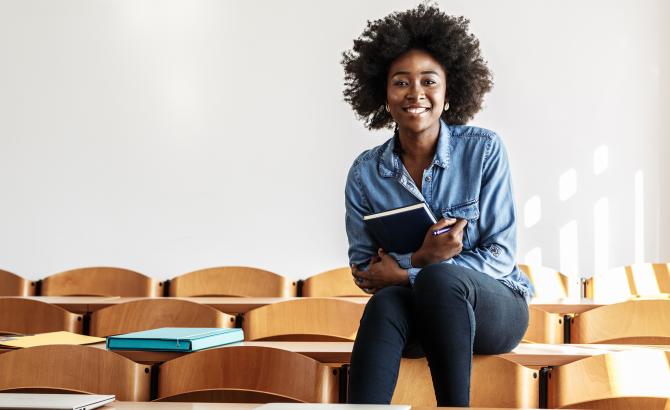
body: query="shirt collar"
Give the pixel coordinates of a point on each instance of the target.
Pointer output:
(390, 164)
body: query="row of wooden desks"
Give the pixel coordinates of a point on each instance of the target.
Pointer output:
(234, 305)
(526, 354)
(123, 405)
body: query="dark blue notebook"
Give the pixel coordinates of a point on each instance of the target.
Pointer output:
(400, 230)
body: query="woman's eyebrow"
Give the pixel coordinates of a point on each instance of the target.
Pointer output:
(407, 73)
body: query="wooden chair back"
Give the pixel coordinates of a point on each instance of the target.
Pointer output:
(232, 281)
(247, 374)
(28, 316)
(627, 282)
(631, 322)
(549, 284)
(14, 285)
(637, 379)
(336, 282)
(309, 319)
(544, 327)
(495, 382)
(145, 314)
(72, 368)
(101, 281)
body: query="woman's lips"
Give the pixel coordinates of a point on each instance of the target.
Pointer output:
(416, 110)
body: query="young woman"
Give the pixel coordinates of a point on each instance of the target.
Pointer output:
(421, 73)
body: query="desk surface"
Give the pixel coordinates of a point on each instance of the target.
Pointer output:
(526, 354)
(123, 405)
(233, 305)
(179, 406)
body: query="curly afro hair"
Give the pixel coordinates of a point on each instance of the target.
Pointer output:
(426, 28)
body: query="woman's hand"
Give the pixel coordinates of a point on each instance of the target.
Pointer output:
(382, 271)
(437, 248)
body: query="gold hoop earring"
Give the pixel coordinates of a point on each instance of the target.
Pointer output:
(387, 107)
(446, 106)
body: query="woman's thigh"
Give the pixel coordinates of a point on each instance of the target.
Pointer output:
(500, 314)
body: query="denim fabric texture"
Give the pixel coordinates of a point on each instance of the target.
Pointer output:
(469, 178)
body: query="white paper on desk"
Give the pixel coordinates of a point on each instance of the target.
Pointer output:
(328, 406)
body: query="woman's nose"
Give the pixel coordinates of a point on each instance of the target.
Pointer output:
(415, 92)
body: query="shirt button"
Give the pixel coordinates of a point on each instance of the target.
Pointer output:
(428, 178)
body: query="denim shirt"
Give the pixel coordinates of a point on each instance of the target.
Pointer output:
(469, 178)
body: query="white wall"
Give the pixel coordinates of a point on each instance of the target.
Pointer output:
(166, 136)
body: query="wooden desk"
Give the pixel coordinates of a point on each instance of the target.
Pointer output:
(324, 352)
(234, 305)
(123, 405)
(526, 354)
(565, 308)
(74, 304)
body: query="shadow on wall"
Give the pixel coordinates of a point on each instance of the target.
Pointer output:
(588, 229)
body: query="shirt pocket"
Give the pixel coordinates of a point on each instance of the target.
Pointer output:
(470, 212)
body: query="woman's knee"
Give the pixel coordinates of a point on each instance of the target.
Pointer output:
(442, 280)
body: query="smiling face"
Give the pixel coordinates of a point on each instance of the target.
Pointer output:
(416, 91)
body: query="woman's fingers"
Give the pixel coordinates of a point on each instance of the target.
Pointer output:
(443, 223)
(459, 225)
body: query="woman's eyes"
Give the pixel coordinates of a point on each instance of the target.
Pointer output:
(401, 83)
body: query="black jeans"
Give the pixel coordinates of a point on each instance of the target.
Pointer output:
(449, 314)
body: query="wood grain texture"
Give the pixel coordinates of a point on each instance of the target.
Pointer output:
(548, 283)
(12, 284)
(543, 327)
(75, 368)
(304, 319)
(336, 282)
(228, 396)
(232, 281)
(158, 405)
(495, 382)
(626, 282)
(100, 281)
(27, 316)
(252, 369)
(147, 314)
(637, 379)
(633, 322)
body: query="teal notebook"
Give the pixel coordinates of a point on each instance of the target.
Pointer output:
(175, 339)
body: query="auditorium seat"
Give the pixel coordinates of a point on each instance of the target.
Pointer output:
(335, 282)
(549, 284)
(28, 316)
(100, 281)
(627, 282)
(544, 327)
(12, 284)
(632, 322)
(232, 281)
(638, 379)
(72, 368)
(304, 320)
(145, 314)
(247, 374)
(495, 382)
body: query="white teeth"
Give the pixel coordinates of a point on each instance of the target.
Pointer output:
(417, 110)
